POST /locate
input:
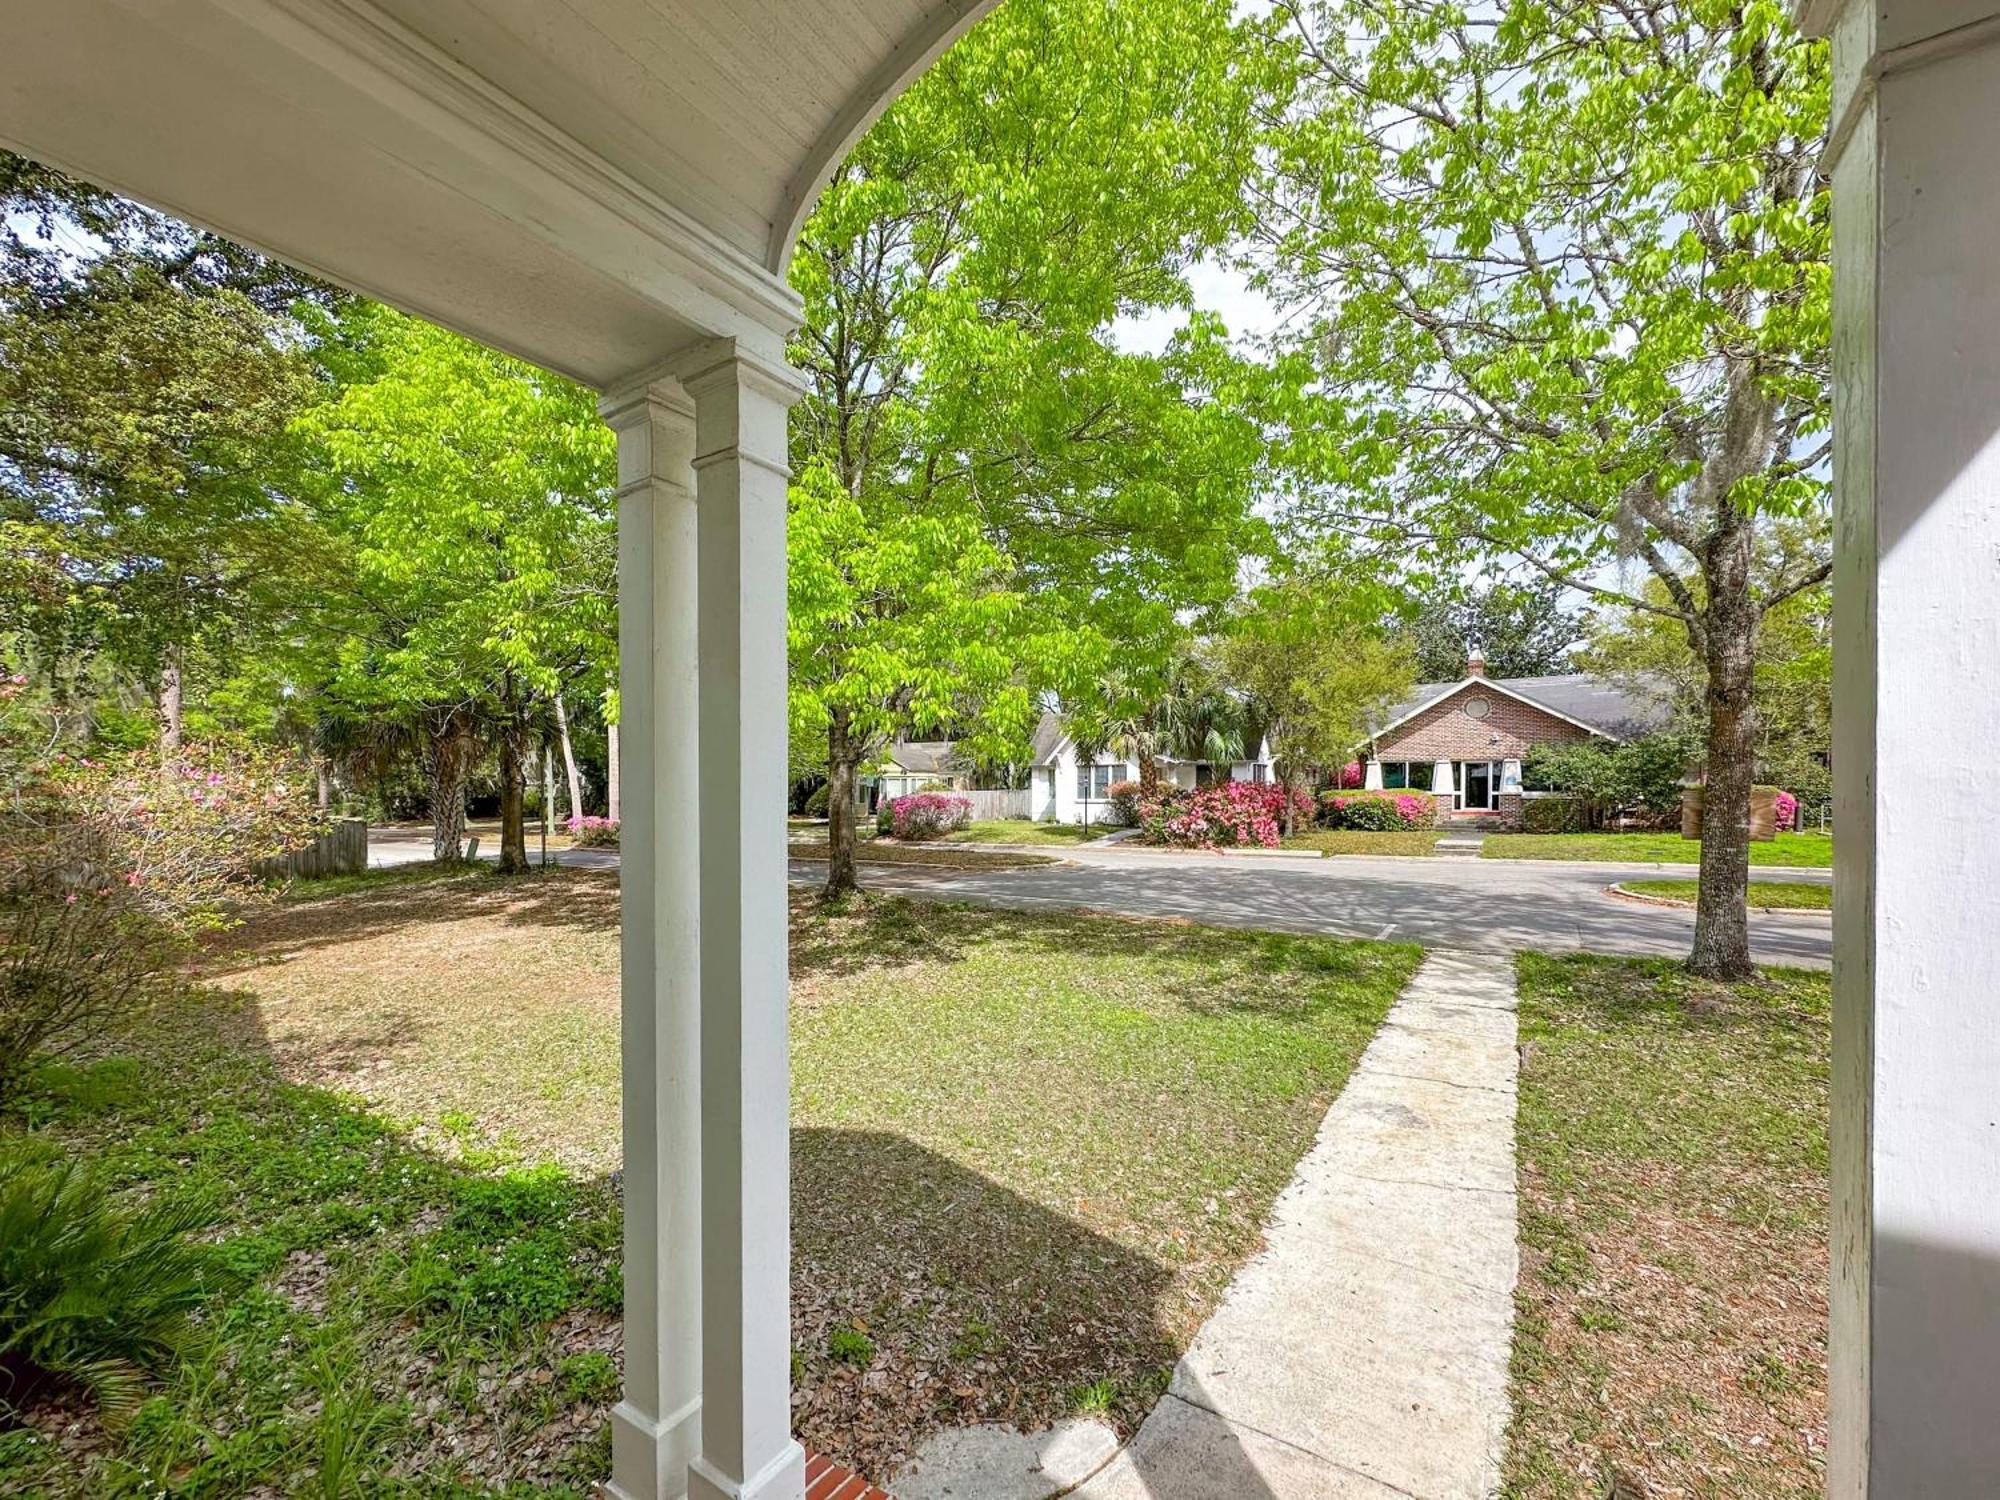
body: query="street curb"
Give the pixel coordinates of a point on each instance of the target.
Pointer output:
(1639, 898)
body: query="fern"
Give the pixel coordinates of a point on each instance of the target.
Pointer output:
(93, 1293)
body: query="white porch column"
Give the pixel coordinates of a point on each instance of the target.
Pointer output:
(1371, 779)
(655, 1429)
(1916, 1103)
(1442, 786)
(747, 1451)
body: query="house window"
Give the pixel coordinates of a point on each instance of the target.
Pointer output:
(1260, 773)
(1396, 774)
(1093, 781)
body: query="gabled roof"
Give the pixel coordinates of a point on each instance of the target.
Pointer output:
(1048, 740)
(1596, 704)
(922, 756)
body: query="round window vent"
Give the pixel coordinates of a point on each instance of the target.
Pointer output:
(1478, 708)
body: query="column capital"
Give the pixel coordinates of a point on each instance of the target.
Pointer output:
(703, 366)
(1872, 41)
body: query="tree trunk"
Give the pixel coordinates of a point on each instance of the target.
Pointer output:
(171, 718)
(1722, 916)
(324, 769)
(513, 786)
(1149, 769)
(841, 761)
(549, 785)
(569, 761)
(447, 763)
(611, 774)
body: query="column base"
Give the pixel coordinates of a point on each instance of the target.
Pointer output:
(649, 1460)
(783, 1478)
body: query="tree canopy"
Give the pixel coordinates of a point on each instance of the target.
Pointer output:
(1562, 280)
(996, 499)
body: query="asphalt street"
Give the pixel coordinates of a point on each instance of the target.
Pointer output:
(1481, 905)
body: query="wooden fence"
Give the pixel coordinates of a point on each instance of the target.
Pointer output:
(341, 850)
(1014, 804)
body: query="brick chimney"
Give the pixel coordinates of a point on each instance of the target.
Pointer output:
(1475, 662)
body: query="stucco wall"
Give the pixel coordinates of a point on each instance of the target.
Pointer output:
(1445, 731)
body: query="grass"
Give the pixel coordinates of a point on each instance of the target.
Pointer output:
(1028, 1154)
(1023, 831)
(1802, 849)
(1355, 841)
(870, 851)
(1765, 895)
(1671, 1312)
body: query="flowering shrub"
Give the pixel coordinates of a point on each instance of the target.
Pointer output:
(1351, 774)
(1124, 799)
(927, 815)
(1229, 813)
(1785, 810)
(109, 868)
(1378, 812)
(592, 832)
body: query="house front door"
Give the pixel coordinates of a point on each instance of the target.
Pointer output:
(1478, 783)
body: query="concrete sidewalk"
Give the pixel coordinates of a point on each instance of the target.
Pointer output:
(1364, 1352)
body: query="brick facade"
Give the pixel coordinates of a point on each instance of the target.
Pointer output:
(1445, 731)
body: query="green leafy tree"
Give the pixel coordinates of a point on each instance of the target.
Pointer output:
(1522, 631)
(1562, 273)
(1792, 688)
(1187, 712)
(1006, 502)
(141, 471)
(467, 497)
(1314, 681)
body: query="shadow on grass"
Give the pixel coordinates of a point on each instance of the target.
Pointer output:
(971, 1302)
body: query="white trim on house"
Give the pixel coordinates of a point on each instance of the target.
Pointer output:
(1053, 784)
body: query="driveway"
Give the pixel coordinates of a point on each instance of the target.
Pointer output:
(1483, 905)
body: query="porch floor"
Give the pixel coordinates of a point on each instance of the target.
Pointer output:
(827, 1480)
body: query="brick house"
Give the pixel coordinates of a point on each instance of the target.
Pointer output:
(1464, 741)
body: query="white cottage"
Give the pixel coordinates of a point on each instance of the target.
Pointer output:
(1067, 787)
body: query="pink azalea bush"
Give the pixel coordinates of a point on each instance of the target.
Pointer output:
(1786, 811)
(1227, 814)
(928, 815)
(1351, 774)
(592, 832)
(112, 867)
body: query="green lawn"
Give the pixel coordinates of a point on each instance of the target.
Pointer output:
(1672, 1308)
(1764, 894)
(1028, 1154)
(1807, 849)
(1023, 831)
(1355, 841)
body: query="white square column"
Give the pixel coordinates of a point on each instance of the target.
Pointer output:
(741, 479)
(1371, 778)
(656, 1429)
(1915, 1349)
(1443, 787)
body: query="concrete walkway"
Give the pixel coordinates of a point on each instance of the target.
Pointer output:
(1363, 1354)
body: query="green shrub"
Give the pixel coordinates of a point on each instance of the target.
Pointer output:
(1551, 815)
(820, 800)
(92, 1293)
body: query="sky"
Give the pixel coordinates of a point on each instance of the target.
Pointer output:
(1217, 288)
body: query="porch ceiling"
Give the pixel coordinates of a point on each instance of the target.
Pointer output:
(587, 183)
